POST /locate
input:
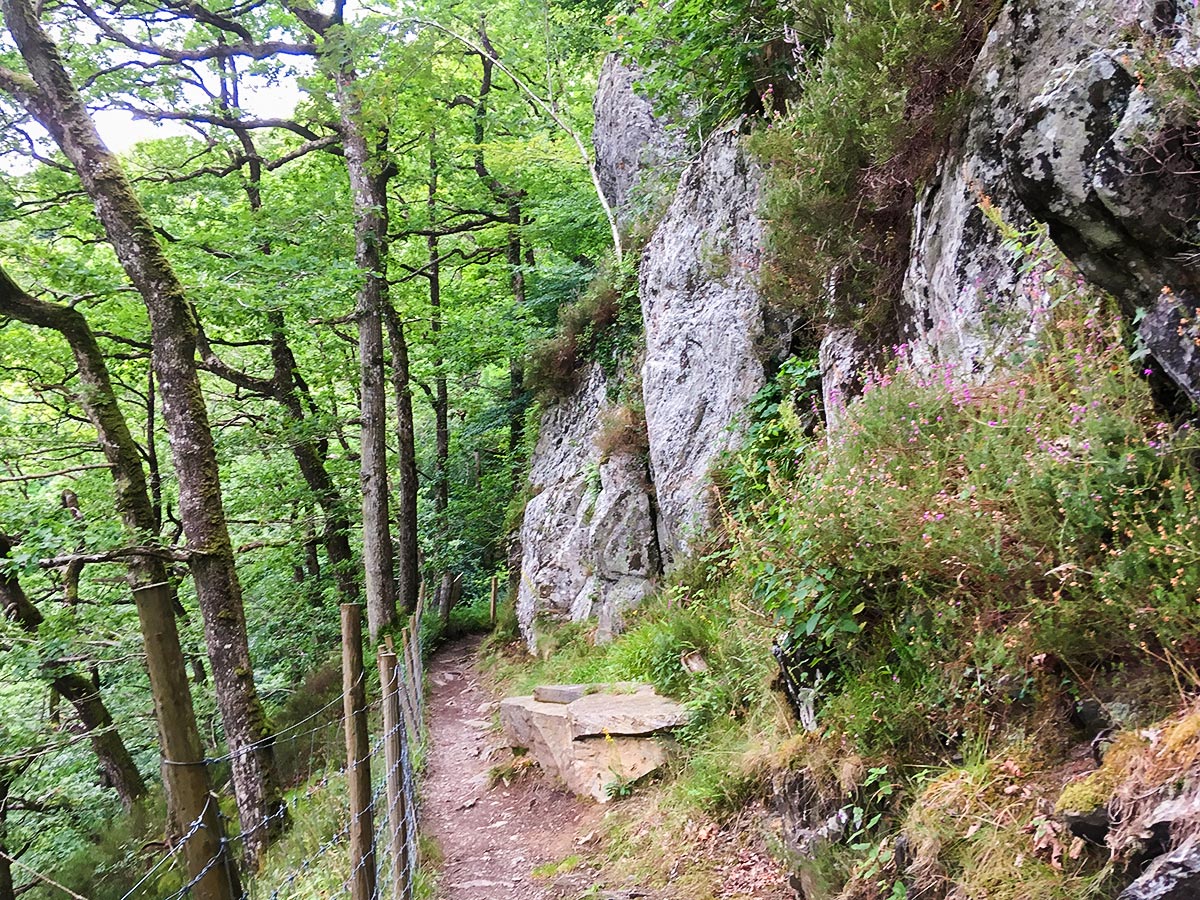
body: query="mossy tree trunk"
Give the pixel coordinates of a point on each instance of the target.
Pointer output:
(185, 777)
(51, 98)
(369, 174)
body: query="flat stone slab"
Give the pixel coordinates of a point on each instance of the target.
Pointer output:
(630, 715)
(569, 693)
(604, 737)
(559, 693)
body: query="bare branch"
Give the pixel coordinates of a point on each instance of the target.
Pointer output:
(37, 476)
(168, 554)
(250, 49)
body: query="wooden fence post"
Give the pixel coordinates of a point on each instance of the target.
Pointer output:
(392, 736)
(492, 608)
(358, 757)
(413, 688)
(409, 714)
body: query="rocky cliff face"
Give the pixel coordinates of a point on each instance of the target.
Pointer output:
(598, 531)
(635, 151)
(1057, 134)
(706, 342)
(1098, 158)
(1061, 131)
(963, 296)
(589, 545)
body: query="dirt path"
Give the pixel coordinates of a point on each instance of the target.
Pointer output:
(491, 837)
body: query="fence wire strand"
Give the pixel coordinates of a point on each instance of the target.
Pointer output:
(390, 824)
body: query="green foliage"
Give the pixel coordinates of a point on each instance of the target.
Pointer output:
(772, 441)
(247, 265)
(603, 326)
(875, 102)
(1048, 506)
(706, 61)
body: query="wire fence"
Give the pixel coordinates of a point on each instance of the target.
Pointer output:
(368, 850)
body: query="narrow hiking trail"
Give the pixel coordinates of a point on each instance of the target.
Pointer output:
(491, 837)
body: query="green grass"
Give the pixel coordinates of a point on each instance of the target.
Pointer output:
(562, 867)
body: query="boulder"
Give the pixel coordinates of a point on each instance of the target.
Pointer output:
(637, 714)
(596, 741)
(1174, 876)
(559, 693)
(1092, 825)
(706, 341)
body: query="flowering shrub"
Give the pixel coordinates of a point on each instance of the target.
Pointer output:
(1048, 507)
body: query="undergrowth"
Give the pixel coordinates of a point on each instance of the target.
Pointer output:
(877, 101)
(950, 571)
(603, 326)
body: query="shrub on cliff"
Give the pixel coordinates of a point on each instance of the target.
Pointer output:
(1048, 507)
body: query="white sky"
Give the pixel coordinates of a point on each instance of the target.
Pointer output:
(121, 131)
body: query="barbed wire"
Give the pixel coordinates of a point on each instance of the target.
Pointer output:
(394, 824)
(191, 832)
(388, 822)
(275, 739)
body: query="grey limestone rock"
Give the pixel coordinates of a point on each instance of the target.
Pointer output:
(1120, 188)
(706, 341)
(1174, 876)
(589, 546)
(634, 148)
(596, 741)
(843, 357)
(966, 304)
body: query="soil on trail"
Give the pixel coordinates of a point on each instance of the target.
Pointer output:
(491, 837)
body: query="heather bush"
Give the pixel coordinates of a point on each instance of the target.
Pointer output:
(602, 325)
(1048, 508)
(877, 98)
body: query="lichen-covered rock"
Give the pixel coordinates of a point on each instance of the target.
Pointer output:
(843, 357)
(634, 148)
(705, 337)
(965, 303)
(1120, 189)
(1174, 876)
(589, 545)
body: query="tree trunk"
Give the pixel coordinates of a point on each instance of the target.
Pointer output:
(370, 229)
(441, 402)
(516, 364)
(110, 749)
(7, 888)
(185, 778)
(445, 596)
(60, 109)
(369, 176)
(511, 199)
(408, 574)
(311, 461)
(115, 758)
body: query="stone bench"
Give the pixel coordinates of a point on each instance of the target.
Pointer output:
(592, 737)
